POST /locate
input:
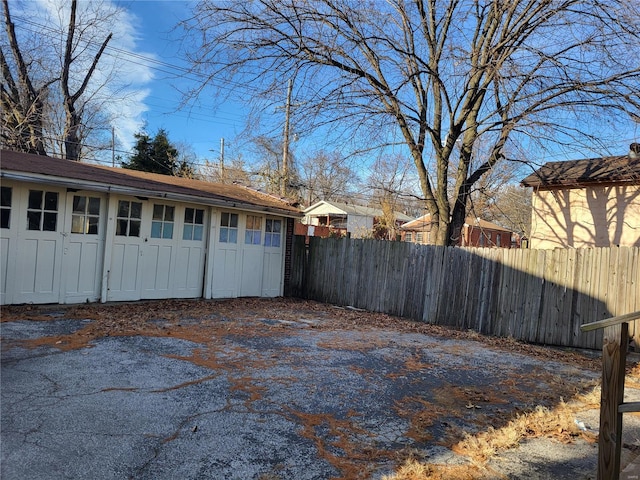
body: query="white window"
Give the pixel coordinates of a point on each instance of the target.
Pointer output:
(273, 232)
(85, 217)
(253, 232)
(162, 222)
(228, 227)
(419, 237)
(408, 237)
(129, 218)
(5, 207)
(42, 211)
(193, 224)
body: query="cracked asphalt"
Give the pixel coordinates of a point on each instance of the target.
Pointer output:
(209, 394)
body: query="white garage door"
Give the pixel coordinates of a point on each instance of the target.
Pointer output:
(158, 250)
(248, 256)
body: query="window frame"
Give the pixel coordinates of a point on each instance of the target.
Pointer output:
(129, 219)
(270, 234)
(88, 217)
(253, 235)
(166, 225)
(41, 214)
(228, 227)
(193, 225)
(5, 208)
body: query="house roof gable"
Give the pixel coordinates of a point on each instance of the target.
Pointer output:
(622, 169)
(327, 208)
(25, 166)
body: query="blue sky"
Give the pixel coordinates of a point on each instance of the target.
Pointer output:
(200, 125)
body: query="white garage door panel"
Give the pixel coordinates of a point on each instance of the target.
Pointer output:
(123, 278)
(272, 275)
(251, 282)
(4, 267)
(189, 272)
(81, 271)
(156, 273)
(39, 266)
(225, 274)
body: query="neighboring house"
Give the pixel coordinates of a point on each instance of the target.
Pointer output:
(586, 203)
(73, 232)
(475, 233)
(342, 218)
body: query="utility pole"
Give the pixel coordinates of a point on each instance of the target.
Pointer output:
(284, 180)
(222, 159)
(113, 146)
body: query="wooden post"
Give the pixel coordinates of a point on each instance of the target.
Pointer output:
(614, 353)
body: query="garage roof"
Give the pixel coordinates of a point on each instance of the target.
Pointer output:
(55, 171)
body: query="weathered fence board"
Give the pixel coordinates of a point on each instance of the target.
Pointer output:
(540, 296)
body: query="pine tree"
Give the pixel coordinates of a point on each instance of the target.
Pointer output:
(157, 155)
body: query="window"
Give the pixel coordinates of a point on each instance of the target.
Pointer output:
(273, 232)
(42, 211)
(129, 218)
(5, 207)
(193, 224)
(229, 227)
(86, 215)
(253, 232)
(408, 237)
(162, 222)
(419, 237)
(498, 240)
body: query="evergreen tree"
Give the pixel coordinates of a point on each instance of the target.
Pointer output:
(157, 155)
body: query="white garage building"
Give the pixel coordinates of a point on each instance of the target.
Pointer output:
(73, 232)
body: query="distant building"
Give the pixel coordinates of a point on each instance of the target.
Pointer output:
(586, 203)
(475, 233)
(341, 219)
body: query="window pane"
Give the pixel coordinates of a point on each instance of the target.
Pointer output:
(224, 235)
(158, 211)
(77, 224)
(188, 215)
(197, 232)
(277, 224)
(134, 228)
(269, 224)
(5, 215)
(51, 201)
(167, 232)
(123, 209)
(248, 237)
(224, 220)
(33, 220)
(5, 196)
(187, 232)
(168, 213)
(35, 201)
(234, 220)
(136, 210)
(50, 220)
(199, 217)
(79, 204)
(156, 229)
(94, 206)
(275, 241)
(121, 226)
(233, 235)
(93, 226)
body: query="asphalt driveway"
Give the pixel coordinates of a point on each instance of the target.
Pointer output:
(263, 389)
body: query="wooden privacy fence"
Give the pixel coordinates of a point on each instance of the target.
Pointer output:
(540, 296)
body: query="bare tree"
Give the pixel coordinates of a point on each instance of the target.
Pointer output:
(22, 100)
(73, 124)
(60, 119)
(442, 74)
(327, 176)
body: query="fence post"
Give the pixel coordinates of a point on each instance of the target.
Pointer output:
(614, 353)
